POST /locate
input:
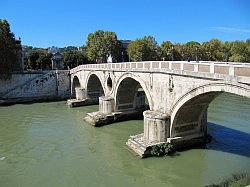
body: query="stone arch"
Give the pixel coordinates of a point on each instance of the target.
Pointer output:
(189, 111)
(75, 84)
(94, 87)
(109, 83)
(134, 83)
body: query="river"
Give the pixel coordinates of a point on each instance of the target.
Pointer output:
(48, 144)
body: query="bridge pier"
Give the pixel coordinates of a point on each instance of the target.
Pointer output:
(81, 99)
(106, 104)
(156, 132)
(107, 114)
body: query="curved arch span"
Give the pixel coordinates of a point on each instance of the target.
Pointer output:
(94, 87)
(137, 85)
(189, 112)
(75, 84)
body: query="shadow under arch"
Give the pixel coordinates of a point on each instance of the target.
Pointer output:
(130, 96)
(130, 84)
(94, 87)
(75, 84)
(189, 113)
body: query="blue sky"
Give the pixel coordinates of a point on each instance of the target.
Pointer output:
(61, 23)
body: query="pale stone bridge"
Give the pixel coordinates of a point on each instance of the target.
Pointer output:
(174, 94)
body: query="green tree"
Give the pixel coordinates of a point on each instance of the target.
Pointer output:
(214, 50)
(44, 60)
(100, 44)
(74, 58)
(192, 51)
(39, 59)
(68, 48)
(178, 52)
(248, 50)
(9, 48)
(33, 56)
(167, 50)
(239, 52)
(144, 49)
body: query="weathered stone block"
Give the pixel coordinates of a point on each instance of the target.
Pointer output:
(106, 105)
(80, 93)
(156, 127)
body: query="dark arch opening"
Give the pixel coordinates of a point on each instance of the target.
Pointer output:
(131, 96)
(190, 117)
(109, 83)
(94, 88)
(75, 84)
(221, 115)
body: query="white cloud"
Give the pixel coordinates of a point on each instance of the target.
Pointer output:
(229, 30)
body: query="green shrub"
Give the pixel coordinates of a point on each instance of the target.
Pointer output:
(161, 149)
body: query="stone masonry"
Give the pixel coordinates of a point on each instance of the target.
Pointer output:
(176, 96)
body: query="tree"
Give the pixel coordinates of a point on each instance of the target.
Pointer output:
(192, 51)
(9, 48)
(68, 48)
(214, 50)
(248, 50)
(101, 44)
(177, 51)
(33, 56)
(167, 50)
(239, 52)
(144, 49)
(44, 60)
(74, 58)
(39, 59)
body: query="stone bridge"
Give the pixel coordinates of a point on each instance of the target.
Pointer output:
(171, 96)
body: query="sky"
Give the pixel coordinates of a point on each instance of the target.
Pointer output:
(44, 23)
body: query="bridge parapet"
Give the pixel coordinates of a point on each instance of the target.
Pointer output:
(178, 67)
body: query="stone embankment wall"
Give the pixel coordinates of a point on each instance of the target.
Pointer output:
(36, 86)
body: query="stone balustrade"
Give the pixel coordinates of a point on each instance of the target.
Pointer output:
(223, 68)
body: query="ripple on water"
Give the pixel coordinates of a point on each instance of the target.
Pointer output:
(48, 144)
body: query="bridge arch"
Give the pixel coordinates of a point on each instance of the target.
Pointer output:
(75, 84)
(189, 111)
(134, 87)
(94, 86)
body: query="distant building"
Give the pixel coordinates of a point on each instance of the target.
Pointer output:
(125, 43)
(53, 50)
(57, 61)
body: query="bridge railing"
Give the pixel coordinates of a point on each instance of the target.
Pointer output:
(225, 68)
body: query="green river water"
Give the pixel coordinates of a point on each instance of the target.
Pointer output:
(48, 144)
